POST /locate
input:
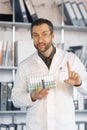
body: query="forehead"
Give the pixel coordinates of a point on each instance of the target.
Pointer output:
(40, 28)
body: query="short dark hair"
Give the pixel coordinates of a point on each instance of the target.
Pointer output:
(40, 21)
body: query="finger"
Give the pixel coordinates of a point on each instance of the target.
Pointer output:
(68, 68)
(69, 81)
(44, 91)
(74, 75)
(38, 90)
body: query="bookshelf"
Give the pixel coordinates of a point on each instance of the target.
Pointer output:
(20, 32)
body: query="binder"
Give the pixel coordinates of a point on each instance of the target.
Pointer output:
(3, 97)
(81, 126)
(75, 98)
(79, 19)
(23, 10)
(3, 127)
(85, 103)
(12, 127)
(21, 126)
(31, 11)
(86, 126)
(18, 12)
(77, 50)
(0, 95)
(9, 90)
(64, 17)
(19, 15)
(15, 53)
(69, 13)
(83, 12)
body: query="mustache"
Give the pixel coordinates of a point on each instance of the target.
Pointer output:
(36, 45)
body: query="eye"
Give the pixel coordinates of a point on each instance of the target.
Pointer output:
(45, 35)
(35, 36)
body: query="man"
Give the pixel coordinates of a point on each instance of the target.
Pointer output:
(48, 108)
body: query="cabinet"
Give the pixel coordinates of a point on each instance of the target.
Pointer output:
(20, 32)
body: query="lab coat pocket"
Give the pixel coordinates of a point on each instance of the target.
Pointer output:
(63, 74)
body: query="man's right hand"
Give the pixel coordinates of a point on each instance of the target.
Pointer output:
(39, 94)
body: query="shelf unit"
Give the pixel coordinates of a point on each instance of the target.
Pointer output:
(61, 31)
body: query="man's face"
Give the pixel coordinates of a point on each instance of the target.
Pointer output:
(42, 37)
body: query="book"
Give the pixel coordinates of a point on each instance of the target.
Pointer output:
(79, 19)
(1, 51)
(6, 12)
(9, 54)
(6, 56)
(31, 11)
(83, 11)
(4, 53)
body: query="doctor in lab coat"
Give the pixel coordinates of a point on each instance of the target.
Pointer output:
(49, 108)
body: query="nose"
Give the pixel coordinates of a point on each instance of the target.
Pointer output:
(40, 38)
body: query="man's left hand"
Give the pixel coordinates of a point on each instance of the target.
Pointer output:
(73, 77)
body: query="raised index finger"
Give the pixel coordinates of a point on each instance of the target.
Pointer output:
(68, 68)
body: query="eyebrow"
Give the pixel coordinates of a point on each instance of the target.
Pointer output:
(37, 33)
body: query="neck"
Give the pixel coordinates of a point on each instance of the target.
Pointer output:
(48, 52)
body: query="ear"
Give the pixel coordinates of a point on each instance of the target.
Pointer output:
(52, 35)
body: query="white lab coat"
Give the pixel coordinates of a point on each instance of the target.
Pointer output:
(56, 111)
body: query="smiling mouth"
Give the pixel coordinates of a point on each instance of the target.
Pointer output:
(41, 45)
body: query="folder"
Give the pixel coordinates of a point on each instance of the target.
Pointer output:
(69, 13)
(83, 12)
(79, 21)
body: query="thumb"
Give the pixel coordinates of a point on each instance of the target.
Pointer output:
(68, 81)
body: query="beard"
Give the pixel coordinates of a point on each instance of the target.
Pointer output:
(42, 47)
